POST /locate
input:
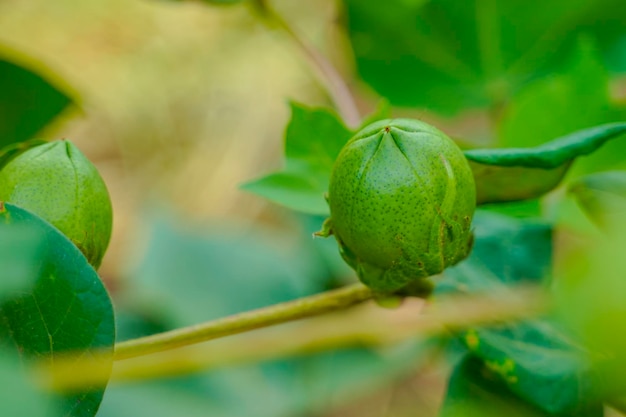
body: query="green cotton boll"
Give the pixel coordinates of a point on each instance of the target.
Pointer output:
(402, 197)
(59, 184)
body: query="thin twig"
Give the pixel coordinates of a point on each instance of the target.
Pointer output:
(327, 73)
(250, 320)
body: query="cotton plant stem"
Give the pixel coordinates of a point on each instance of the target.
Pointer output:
(365, 326)
(242, 322)
(326, 72)
(362, 326)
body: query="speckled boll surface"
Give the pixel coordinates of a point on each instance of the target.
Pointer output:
(58, 183)
(402, 197)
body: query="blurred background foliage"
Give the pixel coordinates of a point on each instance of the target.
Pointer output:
(178, 103)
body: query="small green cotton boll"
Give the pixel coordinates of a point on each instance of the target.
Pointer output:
(59, 184)
(402, 197)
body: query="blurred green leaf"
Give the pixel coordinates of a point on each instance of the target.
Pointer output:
(536, 359)
(292, 190)
(513, 250)
(540, 363)
(576, 98)
(29, 100)
(602, 196)
(20, 248)
(327, 251)
(63, 307)
(590, 300)
(521, 209)
(191, 274)
(313, 140)
(19, 395)
(447, 55)
(506, 251)
(473, 391)
(616, 56)
(509, 174)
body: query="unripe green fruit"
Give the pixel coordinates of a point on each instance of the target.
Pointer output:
(59, 184)
(402, 197)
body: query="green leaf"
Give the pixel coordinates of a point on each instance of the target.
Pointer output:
(60, 305)
(510, 174)
(552, 154)
(292, 190)
(536, 359)
(313, 140)
(539, 362)
(446, 55)
(475, 391)
(602, 196)
(30, 98)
